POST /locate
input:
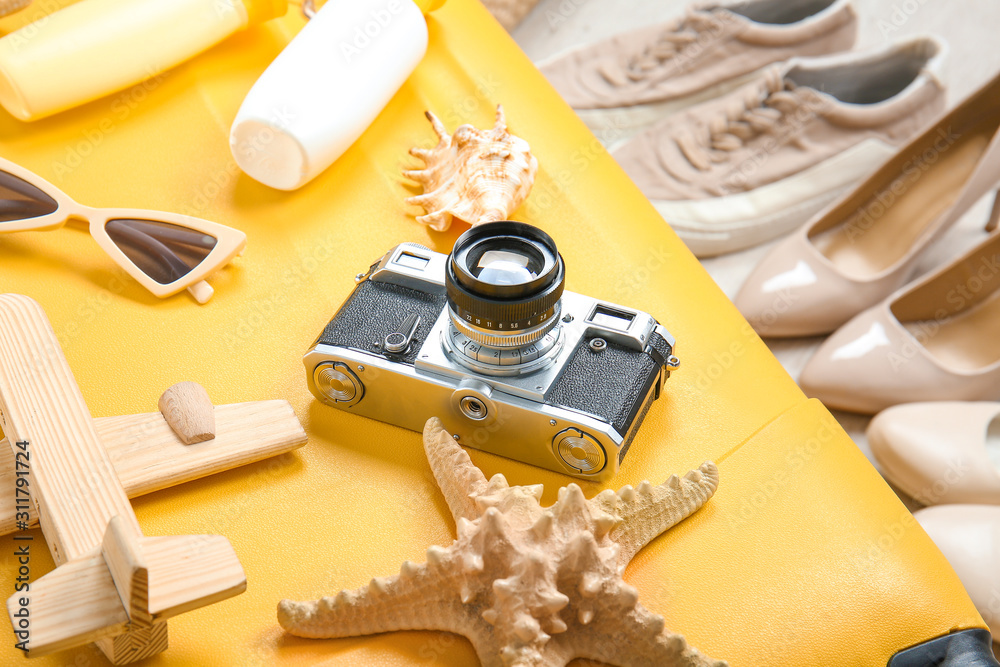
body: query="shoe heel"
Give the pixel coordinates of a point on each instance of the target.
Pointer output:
(994, 219)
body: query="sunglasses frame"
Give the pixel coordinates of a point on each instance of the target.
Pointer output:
(229, 242)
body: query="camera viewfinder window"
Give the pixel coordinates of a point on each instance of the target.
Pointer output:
(412, 261)
(612, 318)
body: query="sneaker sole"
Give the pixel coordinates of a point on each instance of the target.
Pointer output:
(720, 225)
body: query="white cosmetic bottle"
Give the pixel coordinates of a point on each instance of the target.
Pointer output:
(326, 87)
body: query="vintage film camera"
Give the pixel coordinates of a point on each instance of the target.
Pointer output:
(487, 340)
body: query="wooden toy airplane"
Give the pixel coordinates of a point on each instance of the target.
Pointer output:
(113, 585)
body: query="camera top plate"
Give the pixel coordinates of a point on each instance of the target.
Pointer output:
(533, 380)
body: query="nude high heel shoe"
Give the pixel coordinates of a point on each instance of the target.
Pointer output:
(969, 537)
(866, 245)
(939, 453)
(936, 339)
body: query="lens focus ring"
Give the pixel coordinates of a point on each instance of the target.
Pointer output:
(499, 316)
(508, 338)
(504, 277)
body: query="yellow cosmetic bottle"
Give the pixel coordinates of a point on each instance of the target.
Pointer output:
(97, 47)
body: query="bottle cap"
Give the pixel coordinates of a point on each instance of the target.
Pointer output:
(427, 6)
(259, 11)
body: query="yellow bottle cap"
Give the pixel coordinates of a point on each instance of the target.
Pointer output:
(428, 5)
(259, 11)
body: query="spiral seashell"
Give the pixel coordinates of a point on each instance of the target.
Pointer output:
(509, 13)
(473, 175)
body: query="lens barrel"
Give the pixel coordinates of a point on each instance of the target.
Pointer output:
(502, 279)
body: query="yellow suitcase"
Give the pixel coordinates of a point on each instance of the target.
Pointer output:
(804, 556)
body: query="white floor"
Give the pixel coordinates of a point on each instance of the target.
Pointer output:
(971, 27)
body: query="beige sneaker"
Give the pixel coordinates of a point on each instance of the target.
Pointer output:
(754, 165)
(623, 84)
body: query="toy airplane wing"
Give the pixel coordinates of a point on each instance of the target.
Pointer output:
(111, 583)
(130, 582)
(148, 456)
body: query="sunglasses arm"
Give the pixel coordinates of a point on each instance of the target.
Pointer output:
(201, 291)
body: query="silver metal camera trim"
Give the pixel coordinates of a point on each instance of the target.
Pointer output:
(480, 391)
(533, 380)
(390, 270)
(498, 370)
(430, 278)
(511, 338)
(344, 369)
(403, 395)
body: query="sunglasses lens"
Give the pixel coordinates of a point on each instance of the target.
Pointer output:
(20, 200)
(163, 251)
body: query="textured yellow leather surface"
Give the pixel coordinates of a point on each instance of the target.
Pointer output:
(804, 557)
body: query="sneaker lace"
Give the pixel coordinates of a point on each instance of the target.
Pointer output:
(759, 112)
(673, 40)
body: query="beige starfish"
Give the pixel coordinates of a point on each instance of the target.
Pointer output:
(529, 586)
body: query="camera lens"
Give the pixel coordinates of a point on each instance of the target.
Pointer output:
(504, 281)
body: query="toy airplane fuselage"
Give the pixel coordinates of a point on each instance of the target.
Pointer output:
(112, 584)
